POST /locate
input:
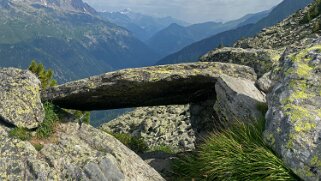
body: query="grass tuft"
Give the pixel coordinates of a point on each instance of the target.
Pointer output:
(136, 144)
(46, 129)
(38, 146)
(238, 153)
(164, 148)
(20, 133)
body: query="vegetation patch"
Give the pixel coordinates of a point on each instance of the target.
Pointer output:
(46, 128)
(20, 133)
(237, 153)
(45, 76)
(137, 144)
(164, 148)
(313, 12)
(38, 146)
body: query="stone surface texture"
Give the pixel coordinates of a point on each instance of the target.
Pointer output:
(20, 103)
(293, 126)
(150, 86)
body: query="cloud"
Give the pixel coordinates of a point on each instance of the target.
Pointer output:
(189, 10)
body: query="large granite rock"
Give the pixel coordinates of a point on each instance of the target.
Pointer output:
(150, 86)
(238, 100)
(293, 126)
(158, 126)
(72, 154)
(261, 60)
(20, 103)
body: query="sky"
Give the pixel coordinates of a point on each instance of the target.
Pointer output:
(192, 11)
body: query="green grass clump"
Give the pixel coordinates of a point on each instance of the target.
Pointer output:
(20, 133)
(46, 128)
(38, 146)
(238, 153)
(164, 148)
(136, 144)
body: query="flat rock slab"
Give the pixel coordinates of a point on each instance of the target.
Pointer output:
(150, 86)
(20, 102)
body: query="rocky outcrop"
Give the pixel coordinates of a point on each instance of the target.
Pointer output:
(150, 86)
(181, 127)
(20, 103)
(289, 32)
(238, 99)
(71, 154)
(293, 126)
(158, 126)
(261, 60)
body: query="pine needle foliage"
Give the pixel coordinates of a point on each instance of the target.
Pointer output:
(238, 153)
(45, 76)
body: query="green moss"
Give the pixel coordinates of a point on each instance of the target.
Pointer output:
(20, 133)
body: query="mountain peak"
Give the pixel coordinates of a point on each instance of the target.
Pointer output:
(126, 11)
(68, 5)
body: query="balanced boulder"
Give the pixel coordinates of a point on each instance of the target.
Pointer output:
(150, 86)
(20, 103)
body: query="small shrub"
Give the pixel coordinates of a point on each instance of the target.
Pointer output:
(46, 128)
(20, 133)
(136, 144)
(84, 116)
(45, 76)
(38, 146)
(238, 153)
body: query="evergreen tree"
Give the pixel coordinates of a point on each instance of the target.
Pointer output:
(45, 76)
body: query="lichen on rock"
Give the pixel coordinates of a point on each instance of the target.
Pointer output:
(85, 154)
(294, 116)
(158, 126)
(20, 98)
(261, 60)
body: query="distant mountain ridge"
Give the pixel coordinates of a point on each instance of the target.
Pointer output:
(175, 37)
(65, 36)
(67, 5)
(142, 26)
(193, 52)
